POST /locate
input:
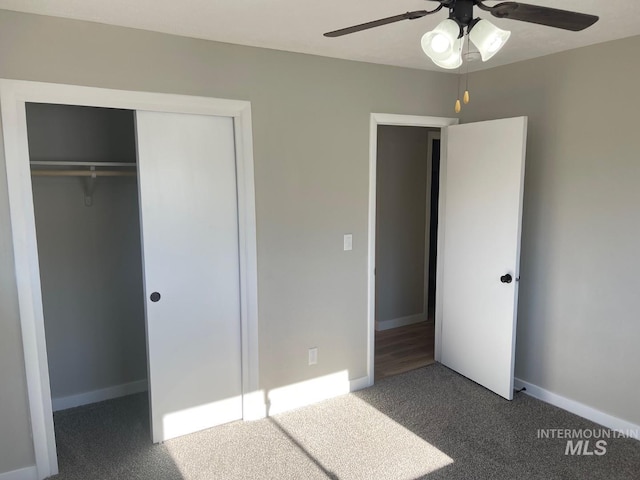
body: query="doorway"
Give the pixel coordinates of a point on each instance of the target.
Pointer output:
(403, 206)
(482, 160)
(408, 161)
(194, 113)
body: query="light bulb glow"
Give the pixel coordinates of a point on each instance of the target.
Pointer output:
(440, 43)
(454, 60)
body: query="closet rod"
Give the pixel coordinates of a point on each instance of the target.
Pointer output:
(44, 163)
(82, 173)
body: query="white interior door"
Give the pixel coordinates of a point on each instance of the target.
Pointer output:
(189, 222)
(482, 212)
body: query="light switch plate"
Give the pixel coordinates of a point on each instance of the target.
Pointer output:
(348, 242)
(313, 356)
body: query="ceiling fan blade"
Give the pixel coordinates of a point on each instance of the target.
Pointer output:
(551, 17)
(378, 23)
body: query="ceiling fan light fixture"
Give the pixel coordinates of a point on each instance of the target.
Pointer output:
(441, 42)
(443, 45)
(488, 38)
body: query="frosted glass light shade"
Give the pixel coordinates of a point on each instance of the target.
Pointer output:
(440, 43)
(488, 38)
(455, 59)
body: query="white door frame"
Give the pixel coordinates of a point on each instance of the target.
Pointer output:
(403, 121)
(13, 96)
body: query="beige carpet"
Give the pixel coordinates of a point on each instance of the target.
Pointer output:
(429, 423)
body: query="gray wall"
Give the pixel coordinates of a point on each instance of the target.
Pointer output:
(401, 211)
(91, 276)
(311, 140)
(579, 317)
(77, 134)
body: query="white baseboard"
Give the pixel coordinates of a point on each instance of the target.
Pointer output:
(253, 406)
(360, 383)
(28, 473)
(580, 409)
(312, 391)
(308, 392)
(62, 403)
(300, 395)
(401, 322)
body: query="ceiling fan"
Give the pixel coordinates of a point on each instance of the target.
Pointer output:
(444, 44)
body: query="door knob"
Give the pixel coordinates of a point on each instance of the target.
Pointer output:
(155, 296)
(506, 278)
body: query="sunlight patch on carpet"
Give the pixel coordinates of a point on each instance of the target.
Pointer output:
(351, 439)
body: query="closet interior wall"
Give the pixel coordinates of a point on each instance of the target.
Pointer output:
(89, 255)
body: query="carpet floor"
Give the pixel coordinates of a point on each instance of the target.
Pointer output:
(430, 423)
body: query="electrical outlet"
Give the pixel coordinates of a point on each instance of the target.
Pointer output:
(313, 356)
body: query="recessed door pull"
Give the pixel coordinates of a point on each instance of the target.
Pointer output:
(506, 278)
(155, 296)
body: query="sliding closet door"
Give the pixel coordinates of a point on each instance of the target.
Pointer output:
(189, 221)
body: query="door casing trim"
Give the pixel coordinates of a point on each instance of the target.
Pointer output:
(404, 121)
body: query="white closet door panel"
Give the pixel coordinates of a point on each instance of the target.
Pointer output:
(189, 221)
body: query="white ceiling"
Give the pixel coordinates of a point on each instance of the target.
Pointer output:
(298, 25)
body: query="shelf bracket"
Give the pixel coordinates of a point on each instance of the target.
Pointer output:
(89, 187)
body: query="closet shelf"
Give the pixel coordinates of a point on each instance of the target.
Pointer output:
(46, 163)
(114, 169)
(83, 173)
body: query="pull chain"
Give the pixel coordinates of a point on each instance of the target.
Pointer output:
(466, 98)
(458, 106)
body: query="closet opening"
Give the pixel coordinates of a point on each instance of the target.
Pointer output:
(85, 197)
